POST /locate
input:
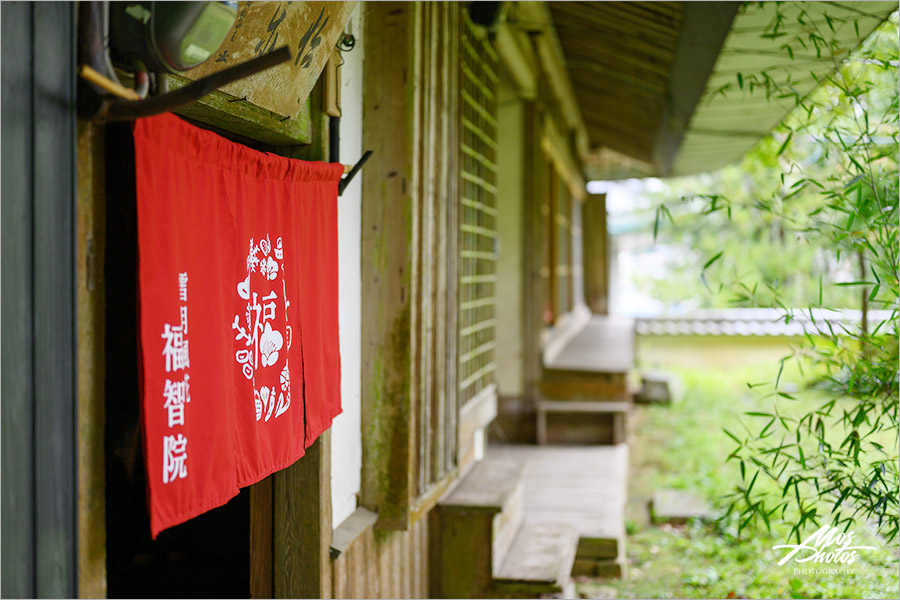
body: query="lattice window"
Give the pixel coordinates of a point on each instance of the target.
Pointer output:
(478, 240)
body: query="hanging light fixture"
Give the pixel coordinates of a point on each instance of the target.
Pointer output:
(168, 36)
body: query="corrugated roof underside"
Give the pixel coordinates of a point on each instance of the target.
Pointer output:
(724, 127)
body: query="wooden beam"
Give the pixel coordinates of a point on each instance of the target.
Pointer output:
(554, 144)
(553, 63)
(244, 118)
(518, 58)
(693, 65)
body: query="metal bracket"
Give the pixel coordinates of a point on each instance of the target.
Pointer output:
(343, 183)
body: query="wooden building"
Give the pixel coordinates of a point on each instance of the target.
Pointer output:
(472, 259)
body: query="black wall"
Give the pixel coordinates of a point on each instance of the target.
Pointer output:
(38, 300)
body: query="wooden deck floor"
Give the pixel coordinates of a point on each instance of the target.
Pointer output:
(584, 486)
(604, 345)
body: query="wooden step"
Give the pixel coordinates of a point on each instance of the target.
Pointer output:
(579, 385)
(585, 407)
(584, 486)
(490, 485)
(613, 568)
(539, 561)
(496, 486)
(581, 422)
(479, 520)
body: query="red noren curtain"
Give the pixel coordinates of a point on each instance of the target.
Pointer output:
(238, 313)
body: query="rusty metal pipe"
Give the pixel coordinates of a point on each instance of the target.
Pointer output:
(126, 110)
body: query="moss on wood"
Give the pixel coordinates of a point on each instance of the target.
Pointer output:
(243, 118)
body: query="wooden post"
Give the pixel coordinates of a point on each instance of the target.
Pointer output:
(91, 360)
(17, 487)
(302, 535)
(535, 247)
(387, 226)
(262, 545)
(296, 502)
(596, 254)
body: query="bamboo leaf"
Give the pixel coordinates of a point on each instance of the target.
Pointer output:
(784, 144)
(712, 260)
(732, 436)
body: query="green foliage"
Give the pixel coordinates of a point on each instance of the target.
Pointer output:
(810, 219)
(680, 446)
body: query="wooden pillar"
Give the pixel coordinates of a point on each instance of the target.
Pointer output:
(387, 242)
(535, 247)
(596, 254)
(39, 488)
(17, 488)
(91, 360)
(302, 519)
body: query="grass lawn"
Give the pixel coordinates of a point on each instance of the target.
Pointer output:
(682, 446)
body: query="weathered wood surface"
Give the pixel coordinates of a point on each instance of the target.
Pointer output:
(581, 422)
(535, 251)
(583, 385)
(435, 232)
(18, 305)
(592, 37)
(262, 527)
(489, 486)
(242, 117)
(409, 232)
(384, 564)
(583, 397)
(40, 502)
(539, 560)
(54, 321)
(570, 428)
(91, 371)
(477, 523)
(387, 219)
(464, 553)
(352, 528)
(302, 515)
(309, 29)
(606, 567)
(584, 407)
(585, 487)
(604, 345)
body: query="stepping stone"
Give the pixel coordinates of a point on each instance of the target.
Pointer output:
(597, 592)
(677, 507)
(658, 387)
